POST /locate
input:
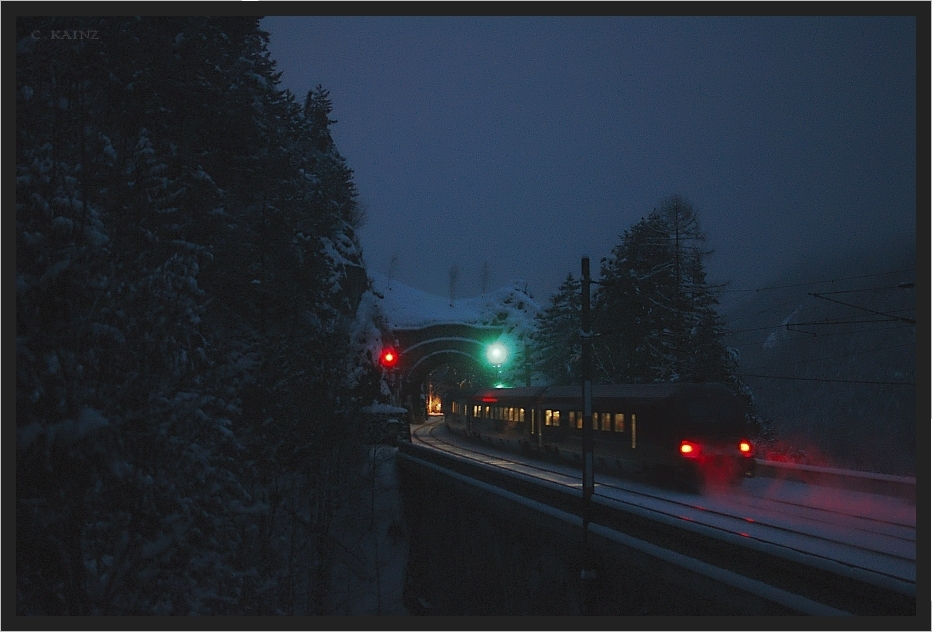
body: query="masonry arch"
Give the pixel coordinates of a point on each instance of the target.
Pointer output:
(421, 350)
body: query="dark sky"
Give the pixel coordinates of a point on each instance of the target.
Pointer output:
(527, 142)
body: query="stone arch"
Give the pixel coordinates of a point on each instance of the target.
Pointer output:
(421, 350)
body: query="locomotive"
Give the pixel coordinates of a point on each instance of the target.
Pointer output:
(693, 434)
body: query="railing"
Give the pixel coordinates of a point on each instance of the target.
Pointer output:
(885, 484)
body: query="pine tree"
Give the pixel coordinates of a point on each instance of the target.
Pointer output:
(557, 341)
(655, 313)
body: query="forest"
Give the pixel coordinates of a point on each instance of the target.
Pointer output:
(190, 347)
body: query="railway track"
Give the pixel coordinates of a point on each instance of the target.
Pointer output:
(854, 552)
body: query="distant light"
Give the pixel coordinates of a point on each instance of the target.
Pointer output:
(501, 385)
(745, 447)
(496, 353)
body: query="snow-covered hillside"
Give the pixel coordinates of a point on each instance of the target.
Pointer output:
(407, 307)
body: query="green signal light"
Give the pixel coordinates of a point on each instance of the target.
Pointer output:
(496, 353)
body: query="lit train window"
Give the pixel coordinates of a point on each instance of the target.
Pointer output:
(548, 417)
(487, 410)
(520, 414)
(634, 431)
(595, 421)
(556, 418)
(572, 417)
(619, 422)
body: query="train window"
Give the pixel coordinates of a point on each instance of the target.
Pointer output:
(520, 414)
(556, 418)
(619, 422)
(634, 431)
(548, 417)
(572, 417)
(606, 422)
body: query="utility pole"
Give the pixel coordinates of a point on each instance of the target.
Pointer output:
(586, 334)
(587, 575)
(527, 364)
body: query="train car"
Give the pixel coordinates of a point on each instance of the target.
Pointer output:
(692, 433)
(454, 405)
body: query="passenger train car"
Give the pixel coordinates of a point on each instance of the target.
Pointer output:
(694, 434)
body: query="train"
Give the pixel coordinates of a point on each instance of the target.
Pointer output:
(691, 434)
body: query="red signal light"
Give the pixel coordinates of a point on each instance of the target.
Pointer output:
(388, 358)
(746, 448)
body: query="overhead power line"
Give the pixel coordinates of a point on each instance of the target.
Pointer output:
(863, 276)
(818, 379)
(911, 321)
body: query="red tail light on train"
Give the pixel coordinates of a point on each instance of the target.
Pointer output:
(690, 449)
(746, 448)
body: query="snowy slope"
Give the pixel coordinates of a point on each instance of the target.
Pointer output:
(407, 307)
